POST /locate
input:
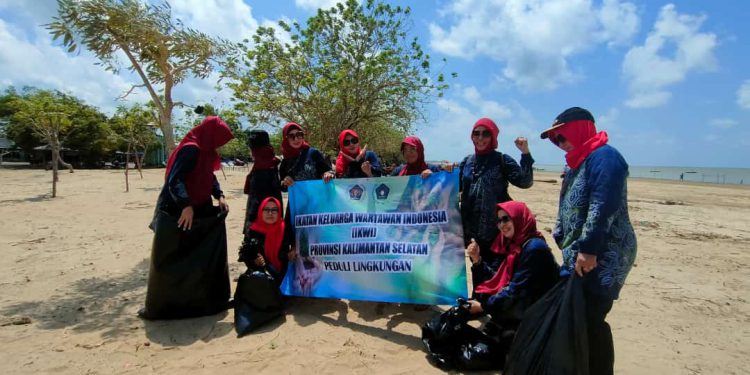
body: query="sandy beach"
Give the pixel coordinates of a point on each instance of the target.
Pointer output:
(75, 268)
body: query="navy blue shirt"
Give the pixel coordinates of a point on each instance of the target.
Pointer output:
(432, 167)
(536, 271)
(354, 169)
(174, 196)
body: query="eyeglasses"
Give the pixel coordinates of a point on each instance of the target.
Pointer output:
(503, 219)
(271, 210)
(293, 136)
(482, 133)
(557, 138)
(350, 141)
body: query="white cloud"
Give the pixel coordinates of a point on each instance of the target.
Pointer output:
(39, 63)
(228, 19)
(650, 70)
(447, 136)
(532, 39)
(314, 5)
(743, 95)
(723, 123)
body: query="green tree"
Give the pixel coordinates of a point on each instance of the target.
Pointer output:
(49, 118)
(134, 130)
(160, 50)
(351, 66)
(88, 134)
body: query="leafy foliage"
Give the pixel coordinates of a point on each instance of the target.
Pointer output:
(160, 50)
(351, 66)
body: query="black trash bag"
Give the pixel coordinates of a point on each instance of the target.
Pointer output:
(479, 351)
(452, 344)
(189, 273)
(257, 300)
(552, 337)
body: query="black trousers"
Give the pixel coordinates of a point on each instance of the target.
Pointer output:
(601, 346)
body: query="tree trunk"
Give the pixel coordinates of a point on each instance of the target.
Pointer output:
(165, 122)
(127, 163)
(55, 155)
(139, 161)
(62, 162)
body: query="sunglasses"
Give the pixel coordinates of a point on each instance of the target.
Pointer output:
(350, 141)
(271, 210)
(503, 219)
(293, 136)
(557, 138)
(481, 133)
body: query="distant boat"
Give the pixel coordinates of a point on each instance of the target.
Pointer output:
(654, 171)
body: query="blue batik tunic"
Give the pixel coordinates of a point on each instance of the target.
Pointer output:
(593, 219)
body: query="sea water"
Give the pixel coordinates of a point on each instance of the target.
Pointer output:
(695, 174)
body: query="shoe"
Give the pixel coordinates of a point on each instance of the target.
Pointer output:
(142, 314)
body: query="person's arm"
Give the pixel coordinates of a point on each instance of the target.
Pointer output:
(397, 170)
(521, 176)
(216, 189)
(485, 269)
(375, 167)
(249, 250)
(606, 181)
(284, 172)
(184, 163)
(322, 164)
(529, 271)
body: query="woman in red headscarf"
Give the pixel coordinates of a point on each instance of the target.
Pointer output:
(527, 271)
(412, 150)
(189, 275)
(264, 247)
(485, 175)
(355, 161)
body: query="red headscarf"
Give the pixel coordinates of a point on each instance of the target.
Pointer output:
(345, 157)
(583, 136)
(211, 134)
(287, 150)
(490, 125)
(524, 225)
(274, 233)
(264, 157)
(418, 166)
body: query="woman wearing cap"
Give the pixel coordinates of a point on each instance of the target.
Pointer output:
(593, 227)
(485, 175)
(263, 180)
(528, 269)
(355, 161)
(188, 275)
(413, 152)
(264, 247)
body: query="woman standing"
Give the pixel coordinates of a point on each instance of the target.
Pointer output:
(593, 227)
(189, 273)
(413, 151)
(354, 161)
(484, 183)
(263, 180)
(301, 162)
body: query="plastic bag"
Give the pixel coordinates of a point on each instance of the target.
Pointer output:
(452, 343)
(189, 273)
(257, 300)
(552, 337)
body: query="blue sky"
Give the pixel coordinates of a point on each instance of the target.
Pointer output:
(669, 81)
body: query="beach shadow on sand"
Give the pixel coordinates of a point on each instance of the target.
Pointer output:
(110, 306)
(38, 198)
(307, 311)
(90, 304)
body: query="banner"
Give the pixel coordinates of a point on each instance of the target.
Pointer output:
(389, 239)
